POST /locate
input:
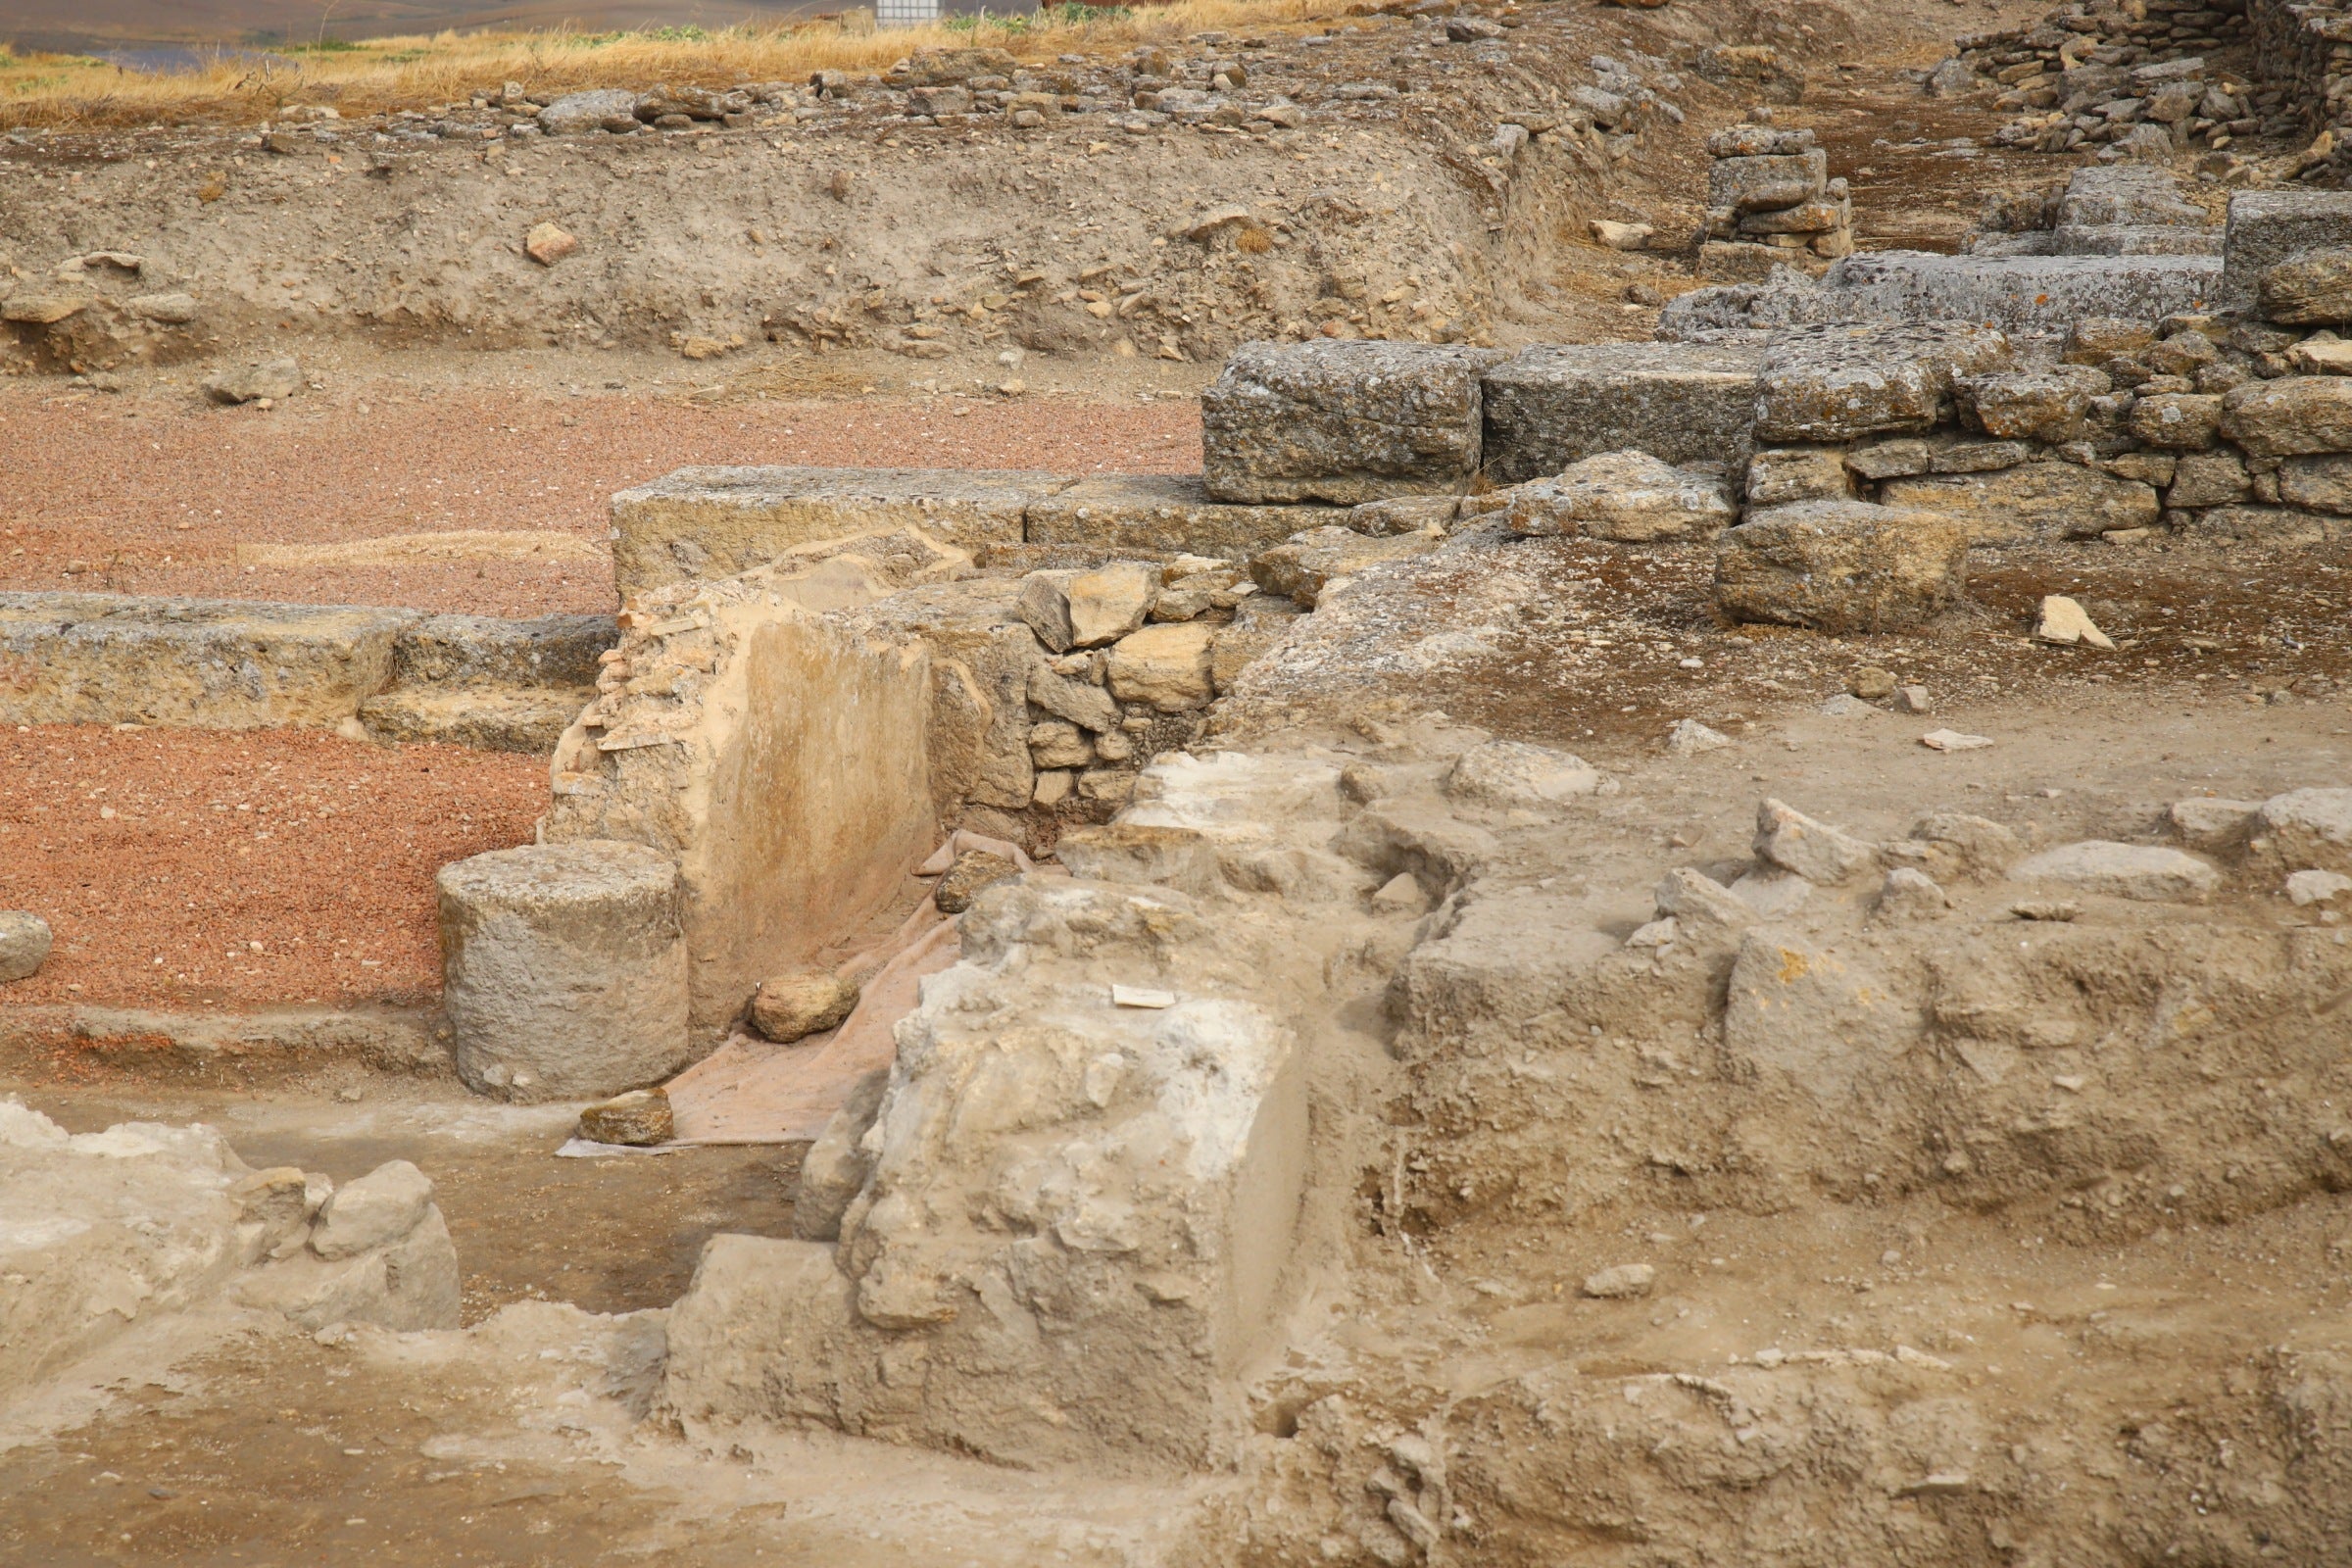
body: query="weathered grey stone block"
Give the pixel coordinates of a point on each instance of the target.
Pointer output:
(1841, 566)
(2127, 194)
(1684, 403)
(565, 969)
(1629, 497)
(2310, 288)
(24, 943)
(1163, 514)
(1837, 383)
(2020, 293)
(1768, 181)
(2266, 228)
(1345, 422)
(717, 522)
(2047, 405)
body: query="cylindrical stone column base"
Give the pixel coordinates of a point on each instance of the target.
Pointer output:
(563, 969)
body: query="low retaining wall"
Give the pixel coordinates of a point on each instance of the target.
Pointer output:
(398, 674)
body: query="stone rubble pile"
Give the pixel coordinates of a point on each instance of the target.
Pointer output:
(102, 1230)
(1771, 203)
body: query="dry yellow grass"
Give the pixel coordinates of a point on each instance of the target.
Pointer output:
(71, 92)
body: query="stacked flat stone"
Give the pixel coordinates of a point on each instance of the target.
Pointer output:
(1771, 203)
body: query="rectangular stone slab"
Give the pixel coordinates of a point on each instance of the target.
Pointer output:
(706, 522)
(1342, 421)
(1680, 402)
(108, 659)
(1165, 514)
(2017, 293)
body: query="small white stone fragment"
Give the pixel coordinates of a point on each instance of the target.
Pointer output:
(1138, 997)
(2066, 622)
(2307, 888)
(1912, 700)
(1951, 740)
(1656, 934)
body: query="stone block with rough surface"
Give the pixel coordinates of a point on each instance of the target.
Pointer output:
(707, 523)
(1839, 383)
(1841, 566)
(2267, 227)
(105, 658)
(1767, 181)
(23, 945)
(1343, 422)
(565, 969)
(2293, 415)
(2043, 405)
(2310, 830)
(2122, 871)
(1629, 497)
(1162, 513)
(1551, 405)
(2031, 501)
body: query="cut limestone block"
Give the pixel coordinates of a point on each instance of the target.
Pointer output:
(2127, 195)
(565, 969)
(2045, 405)
(557, 650)
(1343, 422)
(2310, 288)
(1768, 181)
(1841, 566)
(715, 523)
(494, 719)
(779, 755)
(983, 657)
(2031, 501)
(2017, 293)
(1683, 403)
(1163, 514)
(2123, 871)
(103, 659)
(1301, 569)
(1839, 383)
(1629, 497)
(2267, 227)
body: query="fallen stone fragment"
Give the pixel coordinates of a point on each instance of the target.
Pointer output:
(1698, 904)
(1141, 996)
(1912, 700)
(1627, 497)
(1956, 841)
(1845, 704)
(1951, 740)
(2065, 622)
(378, 1207)
(277, 379)
(1688, 737)
(1909, 894)
(1815, 850)
(547, 244)
(973, 871)
(2307, 888)
(2051, 909)
(2123, 871)
(1655, 934)
(1872, 683)
(577, 113)
(42, 310)
(1621, 236)
(23, 945)
(638, 1119)
(1620, 1282)
(794, 1006)
(165, 310)
(1507, 775)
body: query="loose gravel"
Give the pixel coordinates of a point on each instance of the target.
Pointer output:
(196, 868)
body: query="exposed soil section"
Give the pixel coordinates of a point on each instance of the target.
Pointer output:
(192, 868)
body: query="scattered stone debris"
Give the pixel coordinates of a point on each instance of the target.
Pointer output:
(23, 945)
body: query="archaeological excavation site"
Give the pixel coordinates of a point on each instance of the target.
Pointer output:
(1507, 784)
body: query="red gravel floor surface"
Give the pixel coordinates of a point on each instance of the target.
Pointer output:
(150, 492)
(201, 868)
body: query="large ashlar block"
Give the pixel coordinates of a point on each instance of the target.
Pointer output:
(1164, 514)
(1683, 402)
(2268, 226)
(105, 658)
(1839, 383)
(1343, 422)
(982, 653)
(711, 522)
(1075, 1231)
(564, 970)
(779, 752)
(1841, 566)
